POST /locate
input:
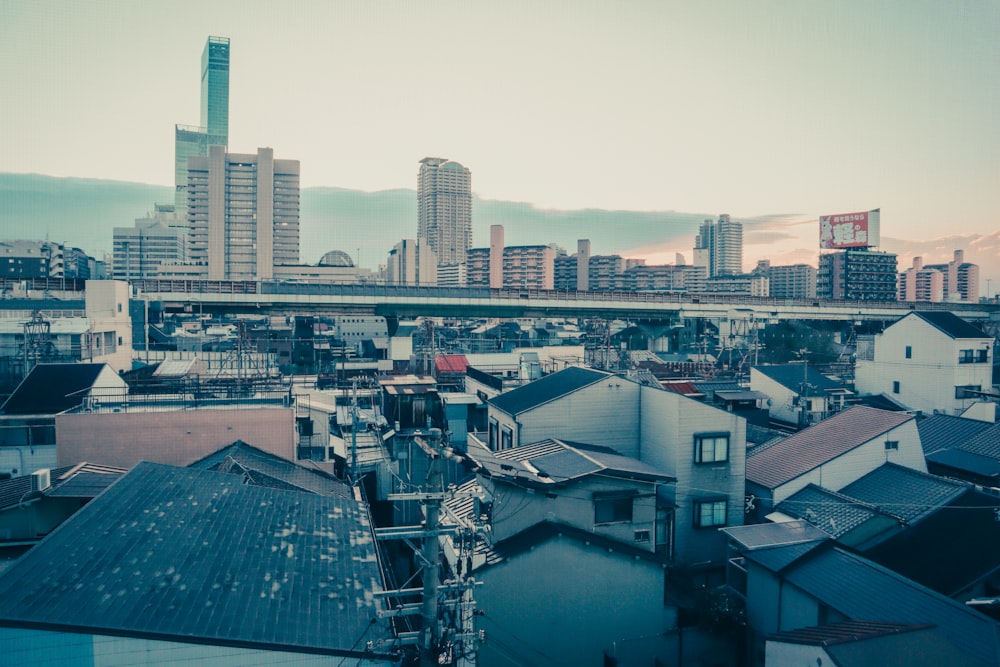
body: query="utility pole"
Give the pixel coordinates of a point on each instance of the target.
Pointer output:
(430, 633)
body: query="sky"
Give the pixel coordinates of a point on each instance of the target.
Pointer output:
(774, 111)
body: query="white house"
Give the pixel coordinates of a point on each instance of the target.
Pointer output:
(797, 393)
(928, 361)
(832, 454)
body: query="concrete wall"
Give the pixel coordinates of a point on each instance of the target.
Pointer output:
(564, 602)
(41, 647)
(175, 437)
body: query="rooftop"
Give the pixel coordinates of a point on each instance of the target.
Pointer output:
(52, 388)
(547, 389)
(200, 557)
(83, 480)
(832, 512)
(946, 431)
(794, 376)
(950, 324)
(808, 449)
(903, 492)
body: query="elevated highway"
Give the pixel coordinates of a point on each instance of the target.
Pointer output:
(276, 298)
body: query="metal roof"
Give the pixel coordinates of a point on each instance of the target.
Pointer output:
(839, 633)
(767, 535)
(810, 448)
(195, 556)
(52, 388)
(63, 482)
(832, 512)
(944, 431)
(547, 389)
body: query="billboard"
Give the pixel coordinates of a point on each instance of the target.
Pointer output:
(849, 230)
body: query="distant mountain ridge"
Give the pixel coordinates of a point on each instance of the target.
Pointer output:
(84, 212)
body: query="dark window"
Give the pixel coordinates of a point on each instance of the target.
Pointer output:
(493, 439)
(642, 536)
(711, 447)
(708, 513)
(895, 386)
(506, 437)
(891, 445)
(613, 510)
(909, 351)
(982, 356)
(963, 391)
(965, 356)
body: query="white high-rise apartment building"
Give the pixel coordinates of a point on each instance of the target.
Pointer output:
(411, 262)
(444, 208)
(243, 214)
(719, 247)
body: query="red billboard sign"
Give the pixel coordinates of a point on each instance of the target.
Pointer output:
(849, 230)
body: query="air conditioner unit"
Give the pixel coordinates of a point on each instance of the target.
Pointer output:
(40, 480)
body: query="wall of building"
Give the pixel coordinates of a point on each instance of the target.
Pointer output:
(933, 355)
(564, 602)
(171, 437)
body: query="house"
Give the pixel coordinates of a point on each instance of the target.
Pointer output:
(865, 644)
(966, 449)
(793, 584)
(957, 355)
(831, 454)
(174, 565)
(701, 446)
(27, 425)
(799, 394)
(31, 506)
(938, 532)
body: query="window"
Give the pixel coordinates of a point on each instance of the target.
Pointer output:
(965, 356)
(711, 447)
(612, 510)
(506, 437)
(892, 445)
(963, 391)
(982, 356)
(494, 431)
(641, 536)
(708, 513)
(895, 386)
(909, 351)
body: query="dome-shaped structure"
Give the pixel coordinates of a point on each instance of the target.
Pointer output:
(336, 258)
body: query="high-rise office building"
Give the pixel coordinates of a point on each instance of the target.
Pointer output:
(719, 247)
(243, 214)
(444, 208)
(192, 141)
(160, 238)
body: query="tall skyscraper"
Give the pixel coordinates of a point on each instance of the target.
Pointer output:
(243, 214)
(719, 247)
(444, 208)
(191, 141)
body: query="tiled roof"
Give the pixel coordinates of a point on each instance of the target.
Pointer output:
(83, 480)
(52, 388)
(950, 324)
(547, 389)
(188, 555)
(792, 376)
(858, 588)
(834, 513)
(554, 461)
(810, 448)
(839, 633)
(685, 388)
(956, 459)
(880, 401)
(263, 469)
(903, 492)
(945, 431)
(985, 443)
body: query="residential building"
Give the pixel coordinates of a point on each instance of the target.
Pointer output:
(960, 278)
(702, 446)
(796, 281)
(243, 214)
(733, 284)
(857, 275)
(930, 361)
(411, 262)
(919, 283)
(831, 454)
(232, 566)
(194, 141)
(598, 272)
(20, 259)
(444, 208)
(798, 394)
(793, 576)
(718, 247)
(160, 238)
(451, 275)
(666, 277)
(525, 267)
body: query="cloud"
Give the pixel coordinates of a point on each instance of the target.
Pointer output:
(767, 237)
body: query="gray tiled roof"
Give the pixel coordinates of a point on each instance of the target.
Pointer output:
(985, 443)
(189, 555)
(976, 464)
(946, 431)
(810, 448)
(857, 588)
(83, 480)
(792, 376)
(903, 492)
(263, 469)
(951, 324)
(547, 389)
(834, 513)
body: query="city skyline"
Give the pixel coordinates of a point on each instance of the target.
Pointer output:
(776, 112)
